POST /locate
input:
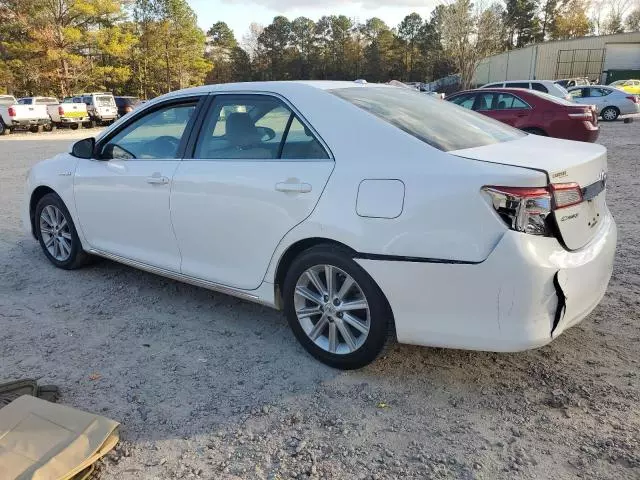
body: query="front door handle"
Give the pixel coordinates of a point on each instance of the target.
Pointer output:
(293, 187)
(157, 180)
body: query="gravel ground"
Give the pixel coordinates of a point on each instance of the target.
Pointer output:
(207, 386)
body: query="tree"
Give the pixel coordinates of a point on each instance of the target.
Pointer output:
(469, 36)
(521, 22)
(250, 39)
(302, 36)
(273, 43)
(409, 32)
(632, 23)
(572, 21)
(220, 47)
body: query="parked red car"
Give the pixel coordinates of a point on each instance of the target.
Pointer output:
(532, 111)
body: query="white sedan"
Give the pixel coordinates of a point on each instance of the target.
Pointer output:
(363, 211)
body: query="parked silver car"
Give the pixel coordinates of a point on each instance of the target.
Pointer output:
(610, 102)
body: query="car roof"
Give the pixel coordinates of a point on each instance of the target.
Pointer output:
(281, 87)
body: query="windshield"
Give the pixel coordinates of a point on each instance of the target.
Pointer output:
(442, 125)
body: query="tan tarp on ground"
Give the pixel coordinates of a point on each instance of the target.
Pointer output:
(40, 440)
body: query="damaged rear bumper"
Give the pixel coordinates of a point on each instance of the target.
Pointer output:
(526, 293)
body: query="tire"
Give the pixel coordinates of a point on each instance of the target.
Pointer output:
(535, 131)
(92, 124)
(4, 130)
(610, 114)
(50, 127)
(362, 348)
(68, 254)
(74, 126)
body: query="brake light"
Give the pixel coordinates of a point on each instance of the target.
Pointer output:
(525, 209)
(633, 98)
(60, 110)
(586, 114)
(11, 111)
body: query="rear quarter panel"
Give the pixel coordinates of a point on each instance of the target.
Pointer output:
(444, 215)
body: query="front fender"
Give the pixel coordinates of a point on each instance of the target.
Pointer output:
(56, 174)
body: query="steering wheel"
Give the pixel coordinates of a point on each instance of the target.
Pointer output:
(266, 132)
(164, 146)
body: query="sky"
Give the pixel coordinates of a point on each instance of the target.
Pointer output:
(238, 14)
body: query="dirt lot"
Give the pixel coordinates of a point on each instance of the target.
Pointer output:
(207, 386)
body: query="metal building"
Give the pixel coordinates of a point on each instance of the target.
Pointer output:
(600, 58)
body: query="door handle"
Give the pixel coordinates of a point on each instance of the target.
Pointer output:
(287, 187)
(157, 180)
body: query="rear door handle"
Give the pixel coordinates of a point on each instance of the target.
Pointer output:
(293, 187)
(157, 180)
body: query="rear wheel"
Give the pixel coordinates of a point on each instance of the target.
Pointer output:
(609, 114)
(4, 130)
(74, 126)
(49, 127)
(335, 309)
(57, 233)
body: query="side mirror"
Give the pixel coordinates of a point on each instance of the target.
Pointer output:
(84, 148)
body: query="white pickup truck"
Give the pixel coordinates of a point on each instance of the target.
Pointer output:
(14, 116)
(70, 115)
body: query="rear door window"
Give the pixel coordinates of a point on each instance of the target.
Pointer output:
(506, 101)
(440, 124)
(484, 101)
(598, 92)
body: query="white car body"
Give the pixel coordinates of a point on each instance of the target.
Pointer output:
(544, 86)
(15, 115)
(414, 216)
(603, 96)
(60, 114)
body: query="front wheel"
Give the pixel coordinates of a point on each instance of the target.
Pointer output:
(335, 309)
(609, 114)
(57, 233)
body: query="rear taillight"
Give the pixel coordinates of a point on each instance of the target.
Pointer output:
(525, 209)
(633, 98)
(60, 110)
(586, 114)
(11, 111)
(566, 195)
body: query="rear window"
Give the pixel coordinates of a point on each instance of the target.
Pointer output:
(556, 100)
(104, 100)
(517, 85)
(47, 101)
(539, 87)
(7, 100)
(440, 124)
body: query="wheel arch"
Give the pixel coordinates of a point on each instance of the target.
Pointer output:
(36, 195)
(289, 255)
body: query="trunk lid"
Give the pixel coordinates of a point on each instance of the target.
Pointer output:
(563, 162)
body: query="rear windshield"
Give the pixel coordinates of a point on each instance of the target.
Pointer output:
(48, 101)
(554, 99)
(104, 101)
(438, 123)
(7, 100)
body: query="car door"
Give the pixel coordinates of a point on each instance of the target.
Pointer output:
(510, 109)
(258, 170)
(122, 196)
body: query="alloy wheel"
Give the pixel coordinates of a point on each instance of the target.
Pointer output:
(332, 309)
(609, 114)
(56, 233)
